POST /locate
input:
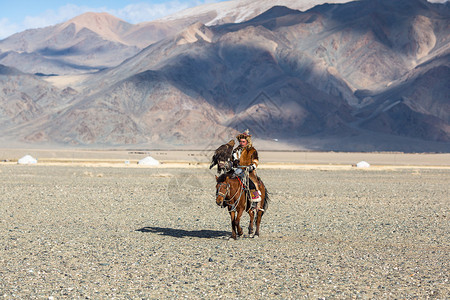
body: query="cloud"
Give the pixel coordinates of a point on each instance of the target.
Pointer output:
(141, 12)
(133, 13)
(7, 28)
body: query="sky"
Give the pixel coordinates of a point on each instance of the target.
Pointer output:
(18, 15)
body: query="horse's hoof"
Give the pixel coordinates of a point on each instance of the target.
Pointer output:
(256, 236)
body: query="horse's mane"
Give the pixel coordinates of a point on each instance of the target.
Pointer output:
(224, 177)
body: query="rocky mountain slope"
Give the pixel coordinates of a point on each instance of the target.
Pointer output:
(94, 41)
(364, 75)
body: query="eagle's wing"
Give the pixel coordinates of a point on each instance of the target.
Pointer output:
(223, 153)
(213, 161)
(230, 151)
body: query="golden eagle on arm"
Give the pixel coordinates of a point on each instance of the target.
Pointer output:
(222, 155)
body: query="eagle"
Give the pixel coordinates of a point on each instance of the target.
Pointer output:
(222, 155)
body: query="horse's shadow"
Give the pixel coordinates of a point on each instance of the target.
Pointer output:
(181, 233)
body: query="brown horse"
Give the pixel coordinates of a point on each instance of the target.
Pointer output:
(230, 192)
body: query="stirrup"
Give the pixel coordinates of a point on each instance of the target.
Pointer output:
(258, 207)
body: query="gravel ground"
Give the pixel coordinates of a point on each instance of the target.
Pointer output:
(93, 232)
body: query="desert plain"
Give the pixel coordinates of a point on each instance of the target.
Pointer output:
(94, 227)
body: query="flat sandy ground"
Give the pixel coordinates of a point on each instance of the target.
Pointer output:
(80, 231)
(268, 159)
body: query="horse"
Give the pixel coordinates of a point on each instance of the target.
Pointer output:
(231, 193)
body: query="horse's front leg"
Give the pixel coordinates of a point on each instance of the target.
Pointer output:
(238, 219)
(251, 213)
(233, 225)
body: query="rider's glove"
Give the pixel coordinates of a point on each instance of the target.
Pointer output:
(251, 168)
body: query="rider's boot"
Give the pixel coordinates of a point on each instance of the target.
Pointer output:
(258, 204)
(256, 198)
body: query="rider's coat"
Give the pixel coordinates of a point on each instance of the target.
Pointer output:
(246, 155)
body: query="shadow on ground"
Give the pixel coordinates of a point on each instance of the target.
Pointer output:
(181, 233)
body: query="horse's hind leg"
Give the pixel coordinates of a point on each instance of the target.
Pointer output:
(258, 222)
(259, 213)
(251, 213)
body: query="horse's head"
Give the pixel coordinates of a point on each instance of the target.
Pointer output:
(222, 190)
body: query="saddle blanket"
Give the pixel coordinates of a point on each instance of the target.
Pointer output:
(255, 196)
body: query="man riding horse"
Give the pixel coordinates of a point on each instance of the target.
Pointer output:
(239, 188)
(245, 155)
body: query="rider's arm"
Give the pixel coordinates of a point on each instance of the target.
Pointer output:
(255, 161)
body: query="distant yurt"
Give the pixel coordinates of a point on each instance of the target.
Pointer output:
(148, 161)
(27, 160)
(363, 164)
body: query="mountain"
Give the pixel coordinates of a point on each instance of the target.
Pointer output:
(94, 41)
(362, 76)
(88, 42)
(27, 99)
(417, 107)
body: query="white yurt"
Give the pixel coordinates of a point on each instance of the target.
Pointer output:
(148, 161)
(27, 160)
(363, 164)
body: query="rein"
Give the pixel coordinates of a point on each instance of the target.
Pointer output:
(235, 204)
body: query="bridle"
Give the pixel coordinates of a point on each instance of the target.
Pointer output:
(224, 195)
(219, 193)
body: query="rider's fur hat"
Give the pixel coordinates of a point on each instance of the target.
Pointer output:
(245, 135)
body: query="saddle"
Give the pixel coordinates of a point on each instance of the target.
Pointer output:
(250, 190)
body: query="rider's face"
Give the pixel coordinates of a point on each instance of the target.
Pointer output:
(243, 142)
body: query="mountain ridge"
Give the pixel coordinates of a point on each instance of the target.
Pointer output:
(315, 79)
